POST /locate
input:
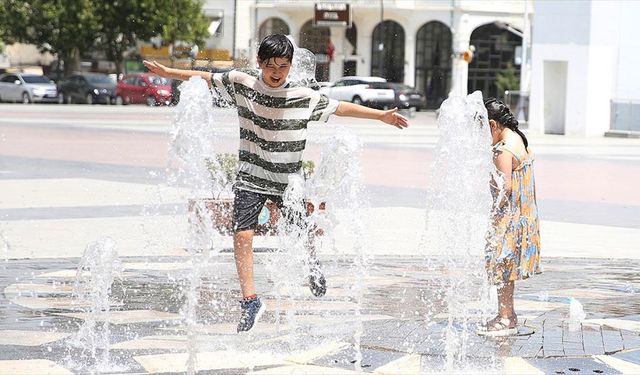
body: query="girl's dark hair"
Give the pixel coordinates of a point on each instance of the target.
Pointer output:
(275, 45)
(500, 113)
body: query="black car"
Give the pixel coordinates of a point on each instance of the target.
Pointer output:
(175, 91)
(408, 97)
(87, 88)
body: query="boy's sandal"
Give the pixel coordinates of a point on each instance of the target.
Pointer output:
(498, 328)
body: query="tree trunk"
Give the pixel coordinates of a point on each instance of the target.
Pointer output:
(120, 67)
(71, 61)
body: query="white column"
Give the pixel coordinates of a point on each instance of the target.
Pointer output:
(410, 59)
(460, 68)
(244, 34)
(335, 67)
(364, 51)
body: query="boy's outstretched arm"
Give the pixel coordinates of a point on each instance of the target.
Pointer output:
(391, 117)
(173, 73)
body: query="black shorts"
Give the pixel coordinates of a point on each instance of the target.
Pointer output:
(247, 206)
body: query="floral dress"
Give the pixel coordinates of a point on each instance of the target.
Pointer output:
(513, 242)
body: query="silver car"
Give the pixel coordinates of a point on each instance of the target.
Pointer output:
(27, 88)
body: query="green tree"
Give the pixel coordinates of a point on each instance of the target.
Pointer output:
(182, 21)
(508, 79)
(122, 23)
(70, 28)
(62, 27)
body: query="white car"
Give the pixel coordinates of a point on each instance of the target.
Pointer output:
(27, 88)
(369, 91)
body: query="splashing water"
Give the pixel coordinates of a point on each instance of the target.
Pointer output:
(576, 311)
(94, 276)
(192, 145)
(458, 207)
(5, 247)
(338, 182)
(303, 66)
(286, 266)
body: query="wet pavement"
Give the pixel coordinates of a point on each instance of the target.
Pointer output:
(301, 334)
(72, 174)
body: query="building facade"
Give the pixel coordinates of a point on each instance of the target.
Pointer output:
(583, 72)
(416, 42)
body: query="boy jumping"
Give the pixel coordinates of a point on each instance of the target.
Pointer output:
(273, 114)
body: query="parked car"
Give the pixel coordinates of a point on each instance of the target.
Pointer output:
(369, 91)
(143, 88)
(87, 88)
(27, 88)
(408, 97)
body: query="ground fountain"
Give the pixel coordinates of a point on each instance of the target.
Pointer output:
(338, 182)
(458, 211)
(192, 139)
(5, 247)
(95, 274)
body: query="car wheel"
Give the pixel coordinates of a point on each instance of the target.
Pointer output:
(120, 101)
(151, 102)
(89, 99)
(357, 100)
(68, 99)
(25, 98)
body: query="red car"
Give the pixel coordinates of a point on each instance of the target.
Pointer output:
(143, 88)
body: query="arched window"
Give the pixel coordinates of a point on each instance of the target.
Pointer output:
(433, 62)
(273, 26)
(495, 52)
(316, 40)
(387, 51)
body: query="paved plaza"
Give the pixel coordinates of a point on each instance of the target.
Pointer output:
(70, 175)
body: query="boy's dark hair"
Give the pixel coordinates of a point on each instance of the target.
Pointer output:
(275, 45)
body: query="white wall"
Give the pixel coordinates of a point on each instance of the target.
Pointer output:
(26, 54)
(623, 34)
(597, 38)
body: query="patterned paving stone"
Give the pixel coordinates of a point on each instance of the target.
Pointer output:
(632, 356)
(32, 367)
(307, 335)
(620, 364)
(128, 316)
(29, 338)
(223, 360)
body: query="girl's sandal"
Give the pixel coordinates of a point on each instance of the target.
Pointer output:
(498, 327)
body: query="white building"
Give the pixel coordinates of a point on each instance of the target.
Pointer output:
(584, 76)
(412, 41)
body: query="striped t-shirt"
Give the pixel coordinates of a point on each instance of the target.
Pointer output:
(273, 126)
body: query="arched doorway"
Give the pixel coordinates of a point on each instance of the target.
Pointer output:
(433, 62)
(495, 54)
(316, 40)
(387, 51)
(273, 26)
